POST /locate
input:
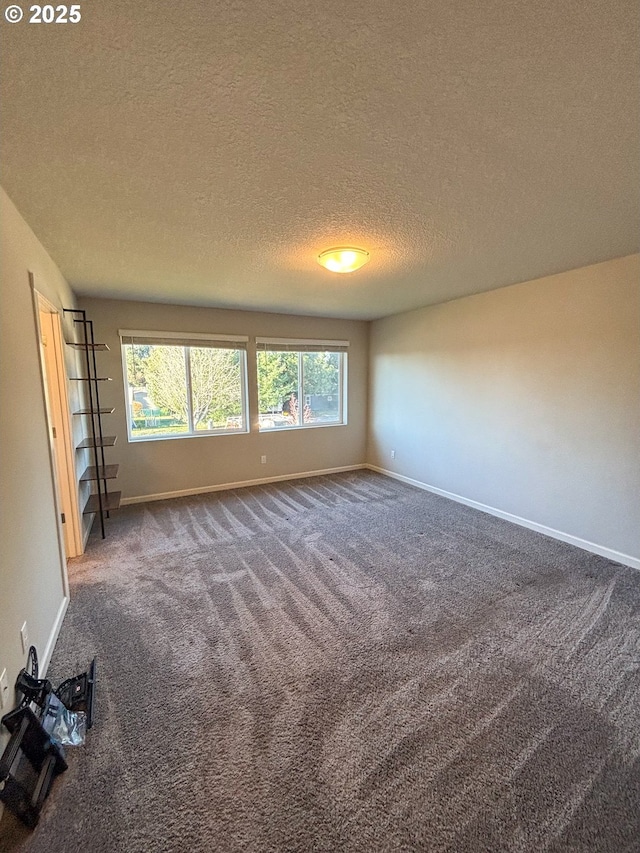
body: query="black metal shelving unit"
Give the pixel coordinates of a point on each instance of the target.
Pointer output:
(101, 501)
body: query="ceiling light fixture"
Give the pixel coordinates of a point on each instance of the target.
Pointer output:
(343, 259)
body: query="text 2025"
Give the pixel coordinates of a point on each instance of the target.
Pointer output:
(55, 14)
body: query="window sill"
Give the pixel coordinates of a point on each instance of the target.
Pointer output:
(203, 434)
(300, 427)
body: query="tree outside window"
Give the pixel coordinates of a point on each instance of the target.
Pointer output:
(184, 390)
(299, 388)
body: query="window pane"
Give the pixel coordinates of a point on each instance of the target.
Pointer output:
(321, 391)
(278, 389)
(216, 388)
(157, 389)
(299, 388)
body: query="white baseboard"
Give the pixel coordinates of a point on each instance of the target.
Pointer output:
(593, 547)
(163, 496)
(45, 660)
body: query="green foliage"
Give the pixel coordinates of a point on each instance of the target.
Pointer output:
(215, 385)
(136, 356)
(277, 378)
(165, 372)
(215, 381)
(321, 372)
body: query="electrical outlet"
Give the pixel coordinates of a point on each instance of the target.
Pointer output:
(24, 636)
(4, 689)
(263, 460)
(393, 454)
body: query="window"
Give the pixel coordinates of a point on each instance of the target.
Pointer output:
(301, 383)
(184, 385)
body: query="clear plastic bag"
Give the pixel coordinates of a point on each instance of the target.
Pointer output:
(67, 728)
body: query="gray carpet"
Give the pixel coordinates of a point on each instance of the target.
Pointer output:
(346, 663)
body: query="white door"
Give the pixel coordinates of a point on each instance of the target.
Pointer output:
(59, 423)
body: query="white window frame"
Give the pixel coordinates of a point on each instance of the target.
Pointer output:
(187, 340)
(301, 346)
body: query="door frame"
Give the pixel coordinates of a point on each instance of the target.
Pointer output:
(58, 413)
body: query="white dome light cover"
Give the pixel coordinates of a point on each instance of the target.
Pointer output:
(343, 259)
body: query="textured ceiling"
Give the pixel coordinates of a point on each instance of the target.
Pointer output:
(205, 152)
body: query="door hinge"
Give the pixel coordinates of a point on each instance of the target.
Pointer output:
(53, 430)
(62, 517)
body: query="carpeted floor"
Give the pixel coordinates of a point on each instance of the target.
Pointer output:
(346, 663)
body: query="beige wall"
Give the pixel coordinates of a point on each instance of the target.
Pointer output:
(525, 399)
(160, 467)
(31, 585)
